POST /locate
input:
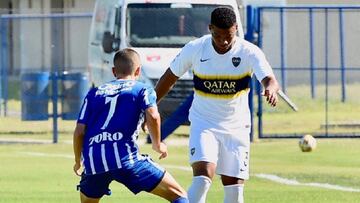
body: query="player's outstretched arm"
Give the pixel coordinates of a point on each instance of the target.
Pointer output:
(271, 87)
(165, 83)
(77, 145)
(153, 122)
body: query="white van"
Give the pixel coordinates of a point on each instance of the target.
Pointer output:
(156, 29)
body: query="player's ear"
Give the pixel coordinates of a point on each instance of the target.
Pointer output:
(113, 71)
(137, 71)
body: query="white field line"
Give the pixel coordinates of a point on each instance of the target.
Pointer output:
(183, 168)
(48, 155)
(270, 177)
(285, 181)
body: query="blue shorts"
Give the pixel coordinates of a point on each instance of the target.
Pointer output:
(143, 175)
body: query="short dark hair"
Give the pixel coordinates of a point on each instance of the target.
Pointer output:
(223, 17)
(124, 61)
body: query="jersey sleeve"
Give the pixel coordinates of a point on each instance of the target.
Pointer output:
(85, 110)
(261, 66)
(183, 61)
(148, 98)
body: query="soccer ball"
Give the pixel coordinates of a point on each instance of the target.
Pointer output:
(307, 143)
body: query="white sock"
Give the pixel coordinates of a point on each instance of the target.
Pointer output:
(198, 189)
(234, 193)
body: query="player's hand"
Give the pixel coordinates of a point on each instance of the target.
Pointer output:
(271, 96)
(160, 148)
(76, 168)
(144, 128)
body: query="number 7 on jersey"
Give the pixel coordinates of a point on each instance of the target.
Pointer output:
(111, 112)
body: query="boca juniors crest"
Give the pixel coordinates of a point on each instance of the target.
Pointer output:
(236, 61)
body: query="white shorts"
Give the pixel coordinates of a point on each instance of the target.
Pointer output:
(230, 151)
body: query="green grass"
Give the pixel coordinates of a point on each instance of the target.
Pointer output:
(36, 179)
(13, 127)
(280, 120)
(312, 115)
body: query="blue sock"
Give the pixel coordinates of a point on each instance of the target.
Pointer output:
(181, 200)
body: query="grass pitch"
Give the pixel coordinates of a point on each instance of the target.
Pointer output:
(43, 173)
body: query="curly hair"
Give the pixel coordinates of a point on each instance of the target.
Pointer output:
(223, 17)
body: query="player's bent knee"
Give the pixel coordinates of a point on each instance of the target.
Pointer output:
(203, 168)
(169, 189)
(227, 180)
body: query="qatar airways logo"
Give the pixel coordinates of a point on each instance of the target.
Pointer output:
(105, 136)
(220, 86)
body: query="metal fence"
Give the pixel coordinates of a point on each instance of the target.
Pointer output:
(313, 51)
(314, 54)
(43, 58)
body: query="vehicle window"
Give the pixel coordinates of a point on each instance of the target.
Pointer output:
(103, 19)
(166, 25)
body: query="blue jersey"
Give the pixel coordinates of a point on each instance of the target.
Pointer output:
(113, 114)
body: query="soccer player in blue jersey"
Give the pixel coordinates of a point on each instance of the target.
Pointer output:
(106, 133)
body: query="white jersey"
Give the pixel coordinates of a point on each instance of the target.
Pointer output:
(221, 81)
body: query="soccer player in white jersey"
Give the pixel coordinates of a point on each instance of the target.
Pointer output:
(223, 64)
(106, 133)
